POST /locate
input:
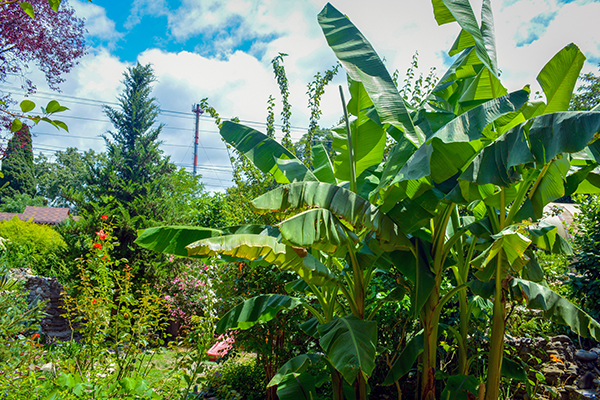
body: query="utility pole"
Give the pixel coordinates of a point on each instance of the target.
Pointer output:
(196, 110)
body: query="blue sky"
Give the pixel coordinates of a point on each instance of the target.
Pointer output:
(221, 49)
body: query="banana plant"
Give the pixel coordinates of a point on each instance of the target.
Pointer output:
(473, 145)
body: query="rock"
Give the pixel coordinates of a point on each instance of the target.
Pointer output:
(561, 338)
(584, 355)
(586, 381)
(48, 367)
(595, 350)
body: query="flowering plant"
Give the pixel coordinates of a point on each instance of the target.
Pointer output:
(116, 323)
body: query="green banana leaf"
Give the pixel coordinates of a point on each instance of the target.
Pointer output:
(265, 153)
(297, 386)
(344, 204)
(457, 142)
(252, 311)
(549, 135)
(349, 344)
(323, 169)
(298, 364)
(551, 186)
(368, 141)
(460, 387)
(173, 239)
(405, 360)
(268, 249)
(362, 64)
(317, 228)
(555, 307)
(559, 76)
(446, 11)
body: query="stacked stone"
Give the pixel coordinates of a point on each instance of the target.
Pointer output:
(572, 373)
(48, 290)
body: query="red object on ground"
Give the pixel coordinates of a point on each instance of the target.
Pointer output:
(219, 349)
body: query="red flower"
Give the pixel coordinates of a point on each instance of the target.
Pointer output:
(101, 234)
(97, 246)
(94, 301)
(35, 336)
(104, 217)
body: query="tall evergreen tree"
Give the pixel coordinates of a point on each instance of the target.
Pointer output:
(17, 165)
(137, 172)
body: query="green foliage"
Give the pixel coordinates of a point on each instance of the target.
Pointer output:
(240, 377)
(585, 281)
(116, 323)
(588, 94)
(17, 165)
(18, 201)
(69, 172)
(30, 245)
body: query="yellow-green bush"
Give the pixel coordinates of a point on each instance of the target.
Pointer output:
(30, 245)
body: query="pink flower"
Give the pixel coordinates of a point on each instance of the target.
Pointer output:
(101, 234)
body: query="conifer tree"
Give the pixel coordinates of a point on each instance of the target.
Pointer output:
(17, 165)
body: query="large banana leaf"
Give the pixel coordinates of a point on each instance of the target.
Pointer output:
(457, 142)
(297, 364)
(173, 239)
(317, 228)
(559, 76)
(252, 311)
(548, 135)
(368, 142)
(362, 64)
(555, 307)
(260, 247)
(265, 153)
(349, 344)
(323, 169)
(446, 11)
(405, 360)
(346, 205)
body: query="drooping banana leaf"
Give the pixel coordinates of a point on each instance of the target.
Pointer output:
(265, 153)
(362, 64)
(349, 344)
(346, 205)
(559, 76)
(297, 386)
(555, 307)
(548, 136)
(173, 239)
(261, 308)
(255, 247)
(405, 360)
(317, 228)
(297, 364)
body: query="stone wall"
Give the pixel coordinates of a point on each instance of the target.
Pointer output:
(571, 373)
(54, 325)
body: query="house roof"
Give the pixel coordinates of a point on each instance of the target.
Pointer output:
(40, 215)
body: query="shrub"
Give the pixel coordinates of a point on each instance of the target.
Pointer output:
(30, 245)
(585, 283)
(239, 377)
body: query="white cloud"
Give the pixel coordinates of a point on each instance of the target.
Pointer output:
(97, 22)
(238, 83)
